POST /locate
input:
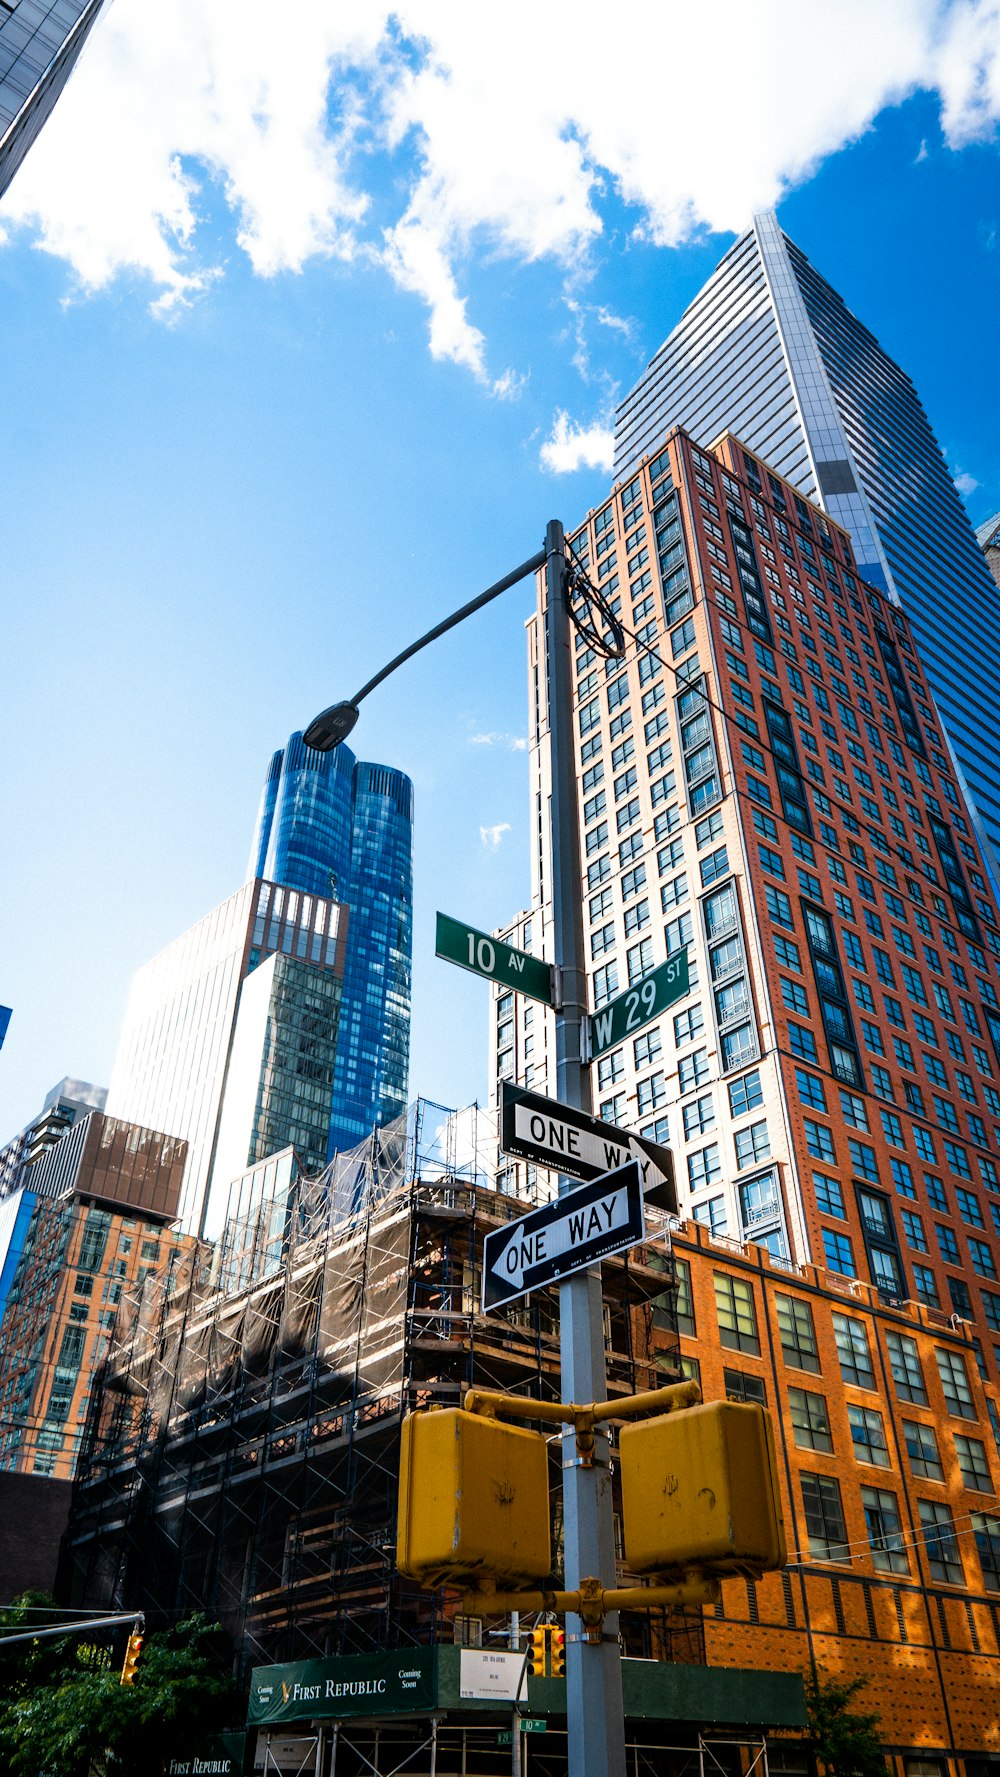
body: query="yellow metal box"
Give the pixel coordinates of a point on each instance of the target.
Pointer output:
(473, 1500)
(700, 1489)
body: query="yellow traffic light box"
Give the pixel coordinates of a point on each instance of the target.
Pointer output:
(700, 1489)
(537, 1652)
(557, 1653)
(133, 1654)
(473, 1500)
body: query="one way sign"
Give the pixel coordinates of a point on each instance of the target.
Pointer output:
(564, 1236)
(568, 1141)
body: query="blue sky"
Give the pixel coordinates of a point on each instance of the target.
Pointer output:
(285, 335)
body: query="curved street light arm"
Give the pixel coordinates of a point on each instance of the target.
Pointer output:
(333, 725)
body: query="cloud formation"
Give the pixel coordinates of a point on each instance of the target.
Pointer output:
(492, 836)
(516, 742)
(474, 149)
(571, 446)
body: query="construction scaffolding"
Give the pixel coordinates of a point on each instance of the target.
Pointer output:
(242, 1451)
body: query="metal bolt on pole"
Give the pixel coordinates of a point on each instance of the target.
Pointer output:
(595, 1715)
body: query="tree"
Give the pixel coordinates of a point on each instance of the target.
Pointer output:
(844, 1740)
(69, 1715)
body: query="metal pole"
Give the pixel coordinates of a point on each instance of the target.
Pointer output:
(515, 1720)
(595, 1716)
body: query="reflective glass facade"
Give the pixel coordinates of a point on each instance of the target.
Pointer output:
(204, 1047)
(39, 43)
(331, 824)
(769, 351)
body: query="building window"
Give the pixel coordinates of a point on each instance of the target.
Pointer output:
(824, 1518)
(685, 1299)
(745, 1094)
(711, 1213)
(752, 1145)
(973, 1464)
(852, 1350)
(741, 1387)
(868, 1435)
(986, 1531)
(907, 1373)
(839, 1253)
(810, 1420)
(922, 1450)
(955, 1383)
(940, 1541)
(737, 1318)
(885, 1535)
(797, 1333)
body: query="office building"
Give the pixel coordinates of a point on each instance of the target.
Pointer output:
(93, 1219)
(330, 824)
(988, 538)
(763, 781)
(229, 1040)
(769, 351)
(39, 44)
(66, 1102)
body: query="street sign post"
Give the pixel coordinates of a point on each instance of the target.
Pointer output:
(568, 1141)
(489, 957)
(564, 1236)
(645, 1001)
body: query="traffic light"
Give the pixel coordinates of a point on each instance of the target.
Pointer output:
(473, 1500)
(133, 1654)
(700, 1489)
(537, 1652)
(557, 1654)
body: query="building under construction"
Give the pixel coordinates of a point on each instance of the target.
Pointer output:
(242, 1455)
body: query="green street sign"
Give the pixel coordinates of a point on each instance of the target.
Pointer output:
(486, 956)
(530, 1724)
(642, 1003)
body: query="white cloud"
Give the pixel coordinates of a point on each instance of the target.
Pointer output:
(476, 150)
(492, 836)
(965, 483)
(516, 742)
(571, 446)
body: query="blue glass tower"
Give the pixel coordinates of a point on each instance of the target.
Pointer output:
(330, 824)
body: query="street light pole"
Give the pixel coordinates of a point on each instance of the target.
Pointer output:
(593, 1672)
(594, 1711)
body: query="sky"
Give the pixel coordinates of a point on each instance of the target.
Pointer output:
(306, 330)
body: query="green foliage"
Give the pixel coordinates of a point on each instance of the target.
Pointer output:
(65, 1712)
(845, 1740)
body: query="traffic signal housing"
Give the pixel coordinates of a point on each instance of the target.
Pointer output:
(537, 1651)
(133, 1654)
(700, 1489)
(473, 1500)
(557, 1654)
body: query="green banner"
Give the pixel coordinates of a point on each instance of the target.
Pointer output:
(399, 1683)
(483, 955)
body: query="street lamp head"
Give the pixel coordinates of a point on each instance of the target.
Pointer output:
(327, 730)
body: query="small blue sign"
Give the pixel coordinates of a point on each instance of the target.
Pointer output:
(5, 1012)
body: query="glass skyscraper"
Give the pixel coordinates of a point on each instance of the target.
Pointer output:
(39, 43)
(330, 824)
(769, 351)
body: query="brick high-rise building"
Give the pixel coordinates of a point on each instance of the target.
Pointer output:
(770, 351)
(91, 1218)
(763, 780)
